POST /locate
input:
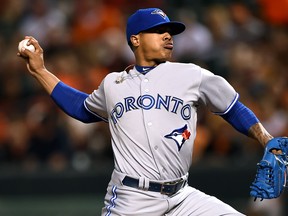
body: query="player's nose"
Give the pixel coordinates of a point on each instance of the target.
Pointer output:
(167, 36)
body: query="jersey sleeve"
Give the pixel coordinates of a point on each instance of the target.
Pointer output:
(216, 93)
(96, 102)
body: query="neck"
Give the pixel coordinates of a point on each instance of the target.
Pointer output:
(144, 62)
(149, 63)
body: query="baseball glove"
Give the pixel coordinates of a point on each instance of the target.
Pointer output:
(270, 179)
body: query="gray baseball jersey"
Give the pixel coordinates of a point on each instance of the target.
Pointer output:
(152, 117)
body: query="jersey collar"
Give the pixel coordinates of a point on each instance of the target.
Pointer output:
(144, 69)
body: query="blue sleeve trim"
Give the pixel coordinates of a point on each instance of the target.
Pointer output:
(240, 117)
(71, 101)
(99, 116)
(229, 107)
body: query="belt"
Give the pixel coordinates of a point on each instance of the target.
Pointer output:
(166, 188)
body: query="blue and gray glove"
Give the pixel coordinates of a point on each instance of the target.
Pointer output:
(270, 179)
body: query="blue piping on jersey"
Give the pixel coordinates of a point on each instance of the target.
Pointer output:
(104, 119)
(230, 106)
(112, 201)
(241, 118)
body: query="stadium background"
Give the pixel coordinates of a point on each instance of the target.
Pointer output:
(51, 164)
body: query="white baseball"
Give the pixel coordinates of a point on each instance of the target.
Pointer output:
(23, 43)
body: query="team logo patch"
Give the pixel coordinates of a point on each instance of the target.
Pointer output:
(159, 12)
(179, 136)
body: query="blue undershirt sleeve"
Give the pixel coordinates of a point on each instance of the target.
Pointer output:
(240, 117)
(71, 101)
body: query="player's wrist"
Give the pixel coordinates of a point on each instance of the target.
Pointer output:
(35, 72)
(40, 73)
(46, 79)
(258, 132)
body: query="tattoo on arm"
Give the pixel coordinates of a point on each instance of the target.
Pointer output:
(258, 132)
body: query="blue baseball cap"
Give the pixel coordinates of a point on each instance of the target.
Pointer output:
(145, 19)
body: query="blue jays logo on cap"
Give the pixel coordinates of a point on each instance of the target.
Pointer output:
(179, 136)
(144, 19)
(160, 12)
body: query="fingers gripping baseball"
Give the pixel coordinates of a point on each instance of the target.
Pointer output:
(32, 52)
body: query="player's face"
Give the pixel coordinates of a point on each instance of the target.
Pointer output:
(155, 46)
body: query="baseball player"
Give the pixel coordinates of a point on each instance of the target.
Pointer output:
(151, 108)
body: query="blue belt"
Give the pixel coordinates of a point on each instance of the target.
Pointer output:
(167, 188)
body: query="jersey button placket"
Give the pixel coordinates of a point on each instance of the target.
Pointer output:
(144, 90)
(146, 80)
(146, 116)
(148, 119)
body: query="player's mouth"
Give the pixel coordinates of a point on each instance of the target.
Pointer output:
(168, 46)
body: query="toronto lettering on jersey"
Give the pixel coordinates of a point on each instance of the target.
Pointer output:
(146, 102)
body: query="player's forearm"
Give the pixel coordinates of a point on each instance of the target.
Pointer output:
(258, 132)
(46, 79)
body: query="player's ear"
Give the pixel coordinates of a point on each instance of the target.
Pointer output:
(135, 40)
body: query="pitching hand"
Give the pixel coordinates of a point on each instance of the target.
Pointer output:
(34, 60)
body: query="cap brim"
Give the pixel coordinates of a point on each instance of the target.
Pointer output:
(175, 27)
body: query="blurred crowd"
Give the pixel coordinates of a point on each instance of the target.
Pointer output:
(83, 40)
